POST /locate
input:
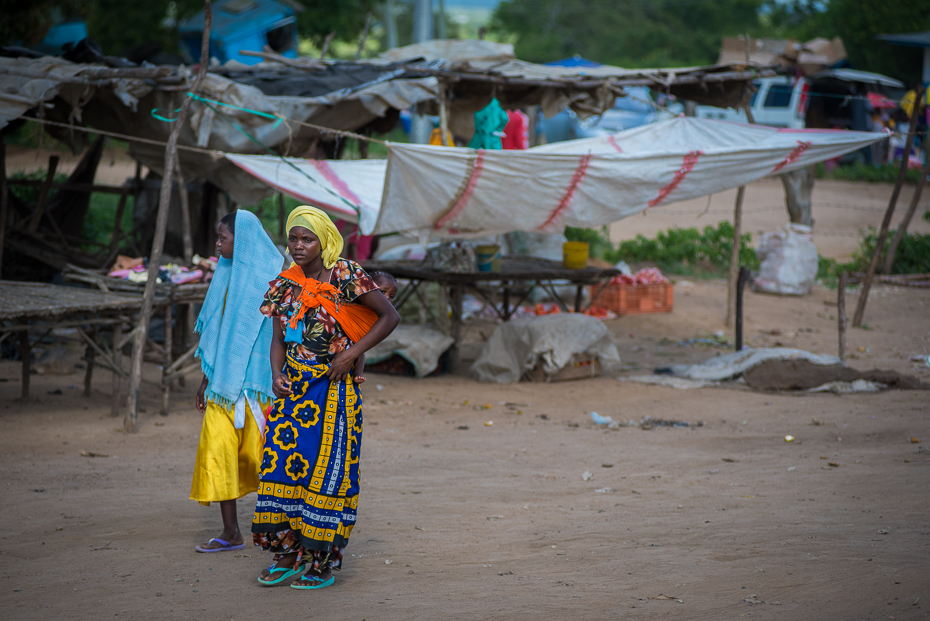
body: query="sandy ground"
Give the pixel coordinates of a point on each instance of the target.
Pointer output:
(464, 519)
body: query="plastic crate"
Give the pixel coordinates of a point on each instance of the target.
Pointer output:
(633, 299)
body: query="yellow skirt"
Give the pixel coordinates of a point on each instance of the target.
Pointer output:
(227, 458)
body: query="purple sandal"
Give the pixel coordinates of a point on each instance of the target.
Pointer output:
(225, 546)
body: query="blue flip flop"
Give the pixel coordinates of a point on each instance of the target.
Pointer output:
(319, 583)
(286, 572)
(225, 546)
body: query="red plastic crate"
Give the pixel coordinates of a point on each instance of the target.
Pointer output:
(633, 299)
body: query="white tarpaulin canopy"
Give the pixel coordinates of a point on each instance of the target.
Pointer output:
(454, 192)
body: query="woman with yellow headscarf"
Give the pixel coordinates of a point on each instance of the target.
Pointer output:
(327, 312)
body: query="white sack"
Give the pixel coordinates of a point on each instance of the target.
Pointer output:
(519, 344)
(789, 261)
(418, 345)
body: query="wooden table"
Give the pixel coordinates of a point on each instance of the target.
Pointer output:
(518, 275)
(167, 296)
(39, 307)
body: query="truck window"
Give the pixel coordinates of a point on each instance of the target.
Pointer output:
(779, 96)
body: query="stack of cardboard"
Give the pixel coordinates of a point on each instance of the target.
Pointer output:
(809, 58)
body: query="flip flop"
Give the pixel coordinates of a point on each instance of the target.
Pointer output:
(320, 583)
(225, 546)
(286, 572)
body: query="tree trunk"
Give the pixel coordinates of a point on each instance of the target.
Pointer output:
(799, 187)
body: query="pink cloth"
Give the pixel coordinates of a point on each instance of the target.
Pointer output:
(516, 132)
(363, 243)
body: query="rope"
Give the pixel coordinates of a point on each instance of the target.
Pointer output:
(126, 137)
(208, 103)
(279, 118)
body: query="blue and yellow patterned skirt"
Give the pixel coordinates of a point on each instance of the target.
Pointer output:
(309, 481)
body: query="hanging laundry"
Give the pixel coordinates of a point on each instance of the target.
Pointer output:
(489, 124)
(516, 132)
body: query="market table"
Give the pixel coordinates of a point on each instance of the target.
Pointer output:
(517, 274)
(39, 307)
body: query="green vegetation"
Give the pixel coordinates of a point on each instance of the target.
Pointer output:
(888, 173)
(688, 252)
(912, 256)
(657, 33)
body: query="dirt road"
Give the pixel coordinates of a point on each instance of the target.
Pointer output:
(721, 521)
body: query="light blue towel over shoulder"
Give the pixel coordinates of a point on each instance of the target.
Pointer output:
(235, 338)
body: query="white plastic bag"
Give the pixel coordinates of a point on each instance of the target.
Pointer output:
(789, 261)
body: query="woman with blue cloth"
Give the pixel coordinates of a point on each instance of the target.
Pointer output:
(327, 312)
(236, 389)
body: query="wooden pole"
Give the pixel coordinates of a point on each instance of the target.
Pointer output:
(906, 222)
(886, 221)
(161, 224)
(361, 41)
(43, 194)
(89, 354)
(168, 336)
(24, 353)
(444, 115)
(186, 239)
(117, 360)
(4, 203)
(733, 277)
(741, 281)
(841, 316)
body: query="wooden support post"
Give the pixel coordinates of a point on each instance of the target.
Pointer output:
(89, 354)
(906, 221)
(734, 256)
(841, 316)
(168, 337)
(458, 295)
(43, 194)
(282, 220)
(740, 287)
(186, 240)
(444, 102)
(4, 203)
(161, 225)
(24, 353)
(118, 224)
(886, 221)
(117, 359)
(579, 298)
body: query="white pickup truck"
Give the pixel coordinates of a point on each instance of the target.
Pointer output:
(779, 102)
(782, 101)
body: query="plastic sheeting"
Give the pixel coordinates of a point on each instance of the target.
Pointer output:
(729, 366)
(453, 192)
(418, 345)
(448, 192)
(517, 346)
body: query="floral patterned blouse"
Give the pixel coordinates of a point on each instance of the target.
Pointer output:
(323, 338)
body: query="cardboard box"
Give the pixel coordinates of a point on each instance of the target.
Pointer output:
(581, 366)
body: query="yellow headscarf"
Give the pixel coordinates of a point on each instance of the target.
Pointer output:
(320, 225)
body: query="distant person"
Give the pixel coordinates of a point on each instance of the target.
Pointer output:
(236, 389)
(388, 287)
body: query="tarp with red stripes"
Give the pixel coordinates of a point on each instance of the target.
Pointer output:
(454, 192)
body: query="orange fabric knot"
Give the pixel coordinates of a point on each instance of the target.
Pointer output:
(356, 319)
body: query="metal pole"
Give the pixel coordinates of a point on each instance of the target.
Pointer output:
(391, 18)
(420, 126)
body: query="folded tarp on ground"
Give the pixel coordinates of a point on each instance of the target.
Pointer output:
(449, 192)
(518, 345)
(732, 365)
(418, 345)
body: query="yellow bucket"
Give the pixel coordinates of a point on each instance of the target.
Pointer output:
(488, 257)
(575, 255)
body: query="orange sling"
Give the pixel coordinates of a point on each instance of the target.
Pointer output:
(356, 319)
